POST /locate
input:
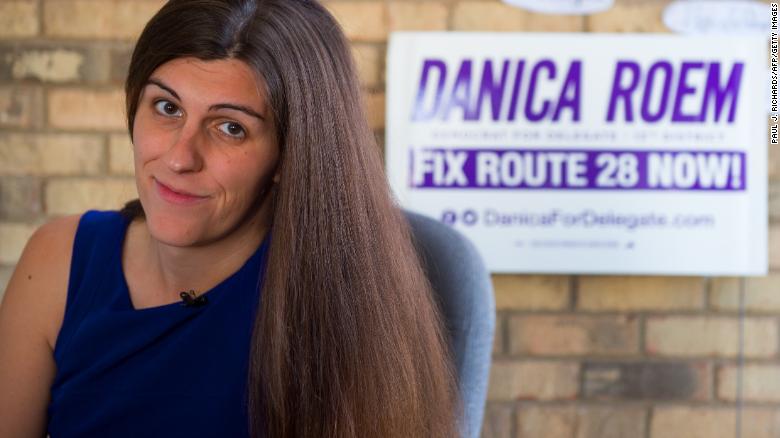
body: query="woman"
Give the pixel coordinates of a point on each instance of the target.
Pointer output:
(254, 165)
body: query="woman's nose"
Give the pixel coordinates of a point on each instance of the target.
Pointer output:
(184, 155)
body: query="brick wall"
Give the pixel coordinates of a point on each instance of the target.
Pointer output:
(574, 357)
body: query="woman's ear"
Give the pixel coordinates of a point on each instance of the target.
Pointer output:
(276, 177)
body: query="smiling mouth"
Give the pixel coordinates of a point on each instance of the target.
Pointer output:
(176, 197)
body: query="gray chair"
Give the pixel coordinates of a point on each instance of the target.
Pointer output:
(465, 295)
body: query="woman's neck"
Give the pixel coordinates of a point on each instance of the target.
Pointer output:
(168, 270)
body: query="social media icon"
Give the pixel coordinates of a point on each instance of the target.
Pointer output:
(449, 217)
(469, 217)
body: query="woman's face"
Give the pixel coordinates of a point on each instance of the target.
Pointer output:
(205, 149)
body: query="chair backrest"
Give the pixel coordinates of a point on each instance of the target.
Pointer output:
(465, 295)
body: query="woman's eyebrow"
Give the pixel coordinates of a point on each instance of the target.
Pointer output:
(242, 108)
(160, 84)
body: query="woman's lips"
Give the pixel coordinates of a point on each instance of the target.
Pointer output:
(176, 197)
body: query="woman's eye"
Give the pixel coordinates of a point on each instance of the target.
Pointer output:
(167, 108)
(232, 129)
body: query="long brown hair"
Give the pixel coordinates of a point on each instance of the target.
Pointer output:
(348, 341)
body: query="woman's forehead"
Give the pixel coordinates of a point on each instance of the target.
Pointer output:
(208, 81)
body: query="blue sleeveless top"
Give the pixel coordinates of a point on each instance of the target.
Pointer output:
(170, 370)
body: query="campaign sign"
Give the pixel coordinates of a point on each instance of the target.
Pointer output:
(572, 153)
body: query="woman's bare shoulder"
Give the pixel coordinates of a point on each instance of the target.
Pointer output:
(30, 317)
(39, 285)
(60, 232)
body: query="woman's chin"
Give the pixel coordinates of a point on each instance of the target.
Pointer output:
(174, 230)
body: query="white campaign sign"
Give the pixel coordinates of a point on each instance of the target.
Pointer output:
(571, 153)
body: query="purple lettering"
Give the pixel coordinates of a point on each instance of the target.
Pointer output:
(489, 87)
(461, 92)
(570, 86)
(713, 89)
(621, 92)
(683, 89)
(529, 112)
(442, 97)
(419, 113)
(666, 68)
(516, 91)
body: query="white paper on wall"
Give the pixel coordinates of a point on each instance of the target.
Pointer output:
(717, 17)
(563, 7)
